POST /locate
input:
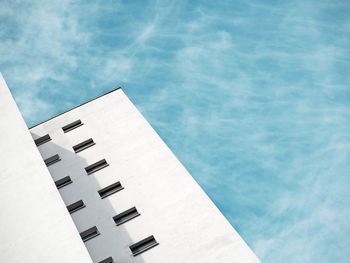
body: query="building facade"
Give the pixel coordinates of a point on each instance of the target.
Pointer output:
(113, 177)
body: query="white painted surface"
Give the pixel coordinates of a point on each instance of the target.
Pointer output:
(34, 223)
(187, 225)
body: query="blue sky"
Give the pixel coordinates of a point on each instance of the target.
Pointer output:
(252, 96)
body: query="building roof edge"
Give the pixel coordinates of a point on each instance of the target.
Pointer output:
(75, 107)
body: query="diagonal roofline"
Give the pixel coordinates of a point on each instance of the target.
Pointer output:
(75, 107)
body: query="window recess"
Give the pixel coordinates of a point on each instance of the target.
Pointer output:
(75, 206)
(42, 140)
(72, 126)
(52, 160)
(83, 145)
(107, 260)
(143, 245)
(126, 216)
(111, 189)
(89, 233)
(63, 182)
(96, 166)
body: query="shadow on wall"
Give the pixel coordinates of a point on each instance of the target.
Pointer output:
(113, 240)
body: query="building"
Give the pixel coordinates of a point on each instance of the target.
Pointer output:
(97, 184)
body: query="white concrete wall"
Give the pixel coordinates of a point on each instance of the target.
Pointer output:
(187, 225)
(34, 223)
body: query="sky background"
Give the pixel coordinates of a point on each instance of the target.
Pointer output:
(252, 96)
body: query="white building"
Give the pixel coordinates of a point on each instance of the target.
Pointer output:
(105, 174)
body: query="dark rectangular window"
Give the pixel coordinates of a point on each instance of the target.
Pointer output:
(90, 233)
(143, 245)
(63, 182)
(83, 145)
(107, 260)
(72, 126)
(76, 206)
(96, 166)
(111, 189)
(52, 160)
(126, 216)
(42, 140)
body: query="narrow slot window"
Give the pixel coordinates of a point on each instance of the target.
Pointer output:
(126, 216)
(111, 189)
(84, 145)
(90, 233)
(72, 126)
(107, 260)
(63, 182)
(52, 160)
(96, 166)
(143, 245)
(75, 206)
(42, 140)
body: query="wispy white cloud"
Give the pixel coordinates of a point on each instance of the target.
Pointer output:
(256, 120)
(41, 50)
